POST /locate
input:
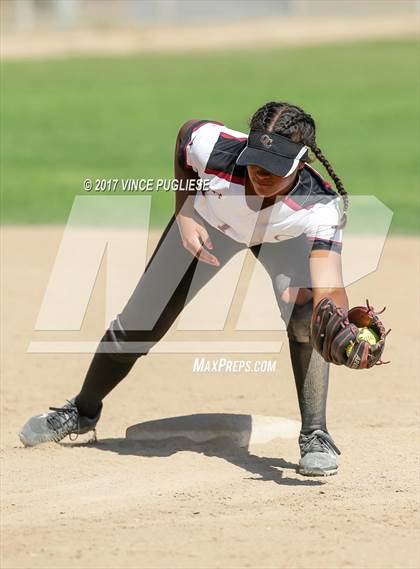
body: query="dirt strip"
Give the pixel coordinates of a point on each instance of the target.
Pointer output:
(257, 34)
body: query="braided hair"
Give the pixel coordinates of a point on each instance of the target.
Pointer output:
(292, 121)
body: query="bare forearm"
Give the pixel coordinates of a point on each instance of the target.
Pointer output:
(184, 202)
(327, 278)
(337, 295)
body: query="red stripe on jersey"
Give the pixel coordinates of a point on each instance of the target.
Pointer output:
(226, 176)
(230, 137)
(326, 240)
(294, 205)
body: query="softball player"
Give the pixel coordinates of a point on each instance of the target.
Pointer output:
(261, 195)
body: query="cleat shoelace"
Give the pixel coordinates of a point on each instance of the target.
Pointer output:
(67, 416)
(318, 441)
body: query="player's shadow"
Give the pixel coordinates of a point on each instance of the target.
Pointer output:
(230, 436)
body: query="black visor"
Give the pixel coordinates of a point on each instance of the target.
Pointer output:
(273, 152)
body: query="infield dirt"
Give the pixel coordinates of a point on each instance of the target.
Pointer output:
(120, 504)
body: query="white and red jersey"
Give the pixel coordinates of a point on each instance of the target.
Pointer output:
(311, 207)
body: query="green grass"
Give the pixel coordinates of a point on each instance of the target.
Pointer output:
(63, 121)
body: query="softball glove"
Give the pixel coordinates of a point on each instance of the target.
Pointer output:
(339, 335)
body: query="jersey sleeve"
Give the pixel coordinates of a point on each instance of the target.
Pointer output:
(197, 144)
(320, 230)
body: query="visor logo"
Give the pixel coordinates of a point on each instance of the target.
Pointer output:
(266, 140)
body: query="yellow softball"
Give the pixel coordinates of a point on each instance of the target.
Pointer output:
(366, 334)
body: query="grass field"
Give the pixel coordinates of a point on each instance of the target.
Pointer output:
(63, 121)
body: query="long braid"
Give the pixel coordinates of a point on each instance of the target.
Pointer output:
(338, 184)
(292, 121)
(320, 155)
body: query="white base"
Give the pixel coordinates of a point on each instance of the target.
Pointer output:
(243, 430)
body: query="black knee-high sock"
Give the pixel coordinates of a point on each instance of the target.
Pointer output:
(311, 377)
(103, 375)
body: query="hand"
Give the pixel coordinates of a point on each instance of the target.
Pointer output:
(194, 238)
